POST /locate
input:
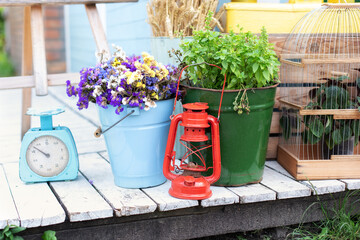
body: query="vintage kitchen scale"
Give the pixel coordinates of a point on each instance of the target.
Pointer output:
(48, 153)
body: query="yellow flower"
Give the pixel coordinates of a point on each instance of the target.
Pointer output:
(137, 64)
(146, 68)
(116, 62)
(145, 54)
(139, 84)
(128, 74)
(131, 77)
(155, 95)
(164, 70)
(136, 75)
(148, 59)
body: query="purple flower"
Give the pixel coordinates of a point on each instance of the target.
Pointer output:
(70, 90)
(103, 85)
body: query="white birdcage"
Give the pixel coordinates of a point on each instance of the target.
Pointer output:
(320, 82)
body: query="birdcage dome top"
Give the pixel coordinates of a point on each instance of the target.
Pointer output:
(331, 30)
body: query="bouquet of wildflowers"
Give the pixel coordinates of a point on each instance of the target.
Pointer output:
(136, 81)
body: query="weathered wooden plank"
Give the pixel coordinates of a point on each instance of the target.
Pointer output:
(278, 41)
(8, 213)
(320, 187)
(125, 202)
(105, 155)
(254, 193)
(60, 78)
(81, 201)
(271, 152)
(29, 81)
(284, 187)
(11, 132)
(12, 151)
(91, 146)
(317, 186)
(220, 196)
(38, 45)
(13, 3)
(36, 204)
(352, 184)
(160, 194)
(275, 123)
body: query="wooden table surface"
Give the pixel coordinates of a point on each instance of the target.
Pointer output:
(93, 194)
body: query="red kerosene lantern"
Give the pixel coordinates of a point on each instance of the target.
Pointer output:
(194, 119)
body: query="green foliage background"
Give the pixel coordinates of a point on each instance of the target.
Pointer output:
(6, 67)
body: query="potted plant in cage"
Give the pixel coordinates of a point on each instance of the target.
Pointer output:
(251, 67)
(336, 136)
(143, 90)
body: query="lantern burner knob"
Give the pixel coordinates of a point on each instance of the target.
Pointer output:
(189, 181)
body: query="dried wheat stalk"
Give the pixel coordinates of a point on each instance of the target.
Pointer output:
(171, 18)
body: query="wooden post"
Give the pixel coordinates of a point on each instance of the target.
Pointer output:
(26, 69)
(97, 28)
(38, 45)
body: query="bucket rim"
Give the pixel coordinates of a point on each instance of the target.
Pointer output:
(229, 90)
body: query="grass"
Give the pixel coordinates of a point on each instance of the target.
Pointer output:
(6, 67)
(341, 222)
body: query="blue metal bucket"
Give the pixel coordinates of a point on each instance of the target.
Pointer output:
(136, 146)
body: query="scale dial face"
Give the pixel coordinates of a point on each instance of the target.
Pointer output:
(47, 156)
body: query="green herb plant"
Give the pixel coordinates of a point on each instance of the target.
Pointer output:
(49, 235)
(332, 94)
(8, 233)
(248, 61)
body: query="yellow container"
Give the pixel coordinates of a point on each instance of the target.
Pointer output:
(243, 1)
(276, 18)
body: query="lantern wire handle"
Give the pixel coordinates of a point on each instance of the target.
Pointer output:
(178, 84)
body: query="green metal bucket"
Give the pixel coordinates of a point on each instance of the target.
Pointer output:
(243, 138)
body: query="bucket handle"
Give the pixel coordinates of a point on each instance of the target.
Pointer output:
(99, 132)
(178, 84)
